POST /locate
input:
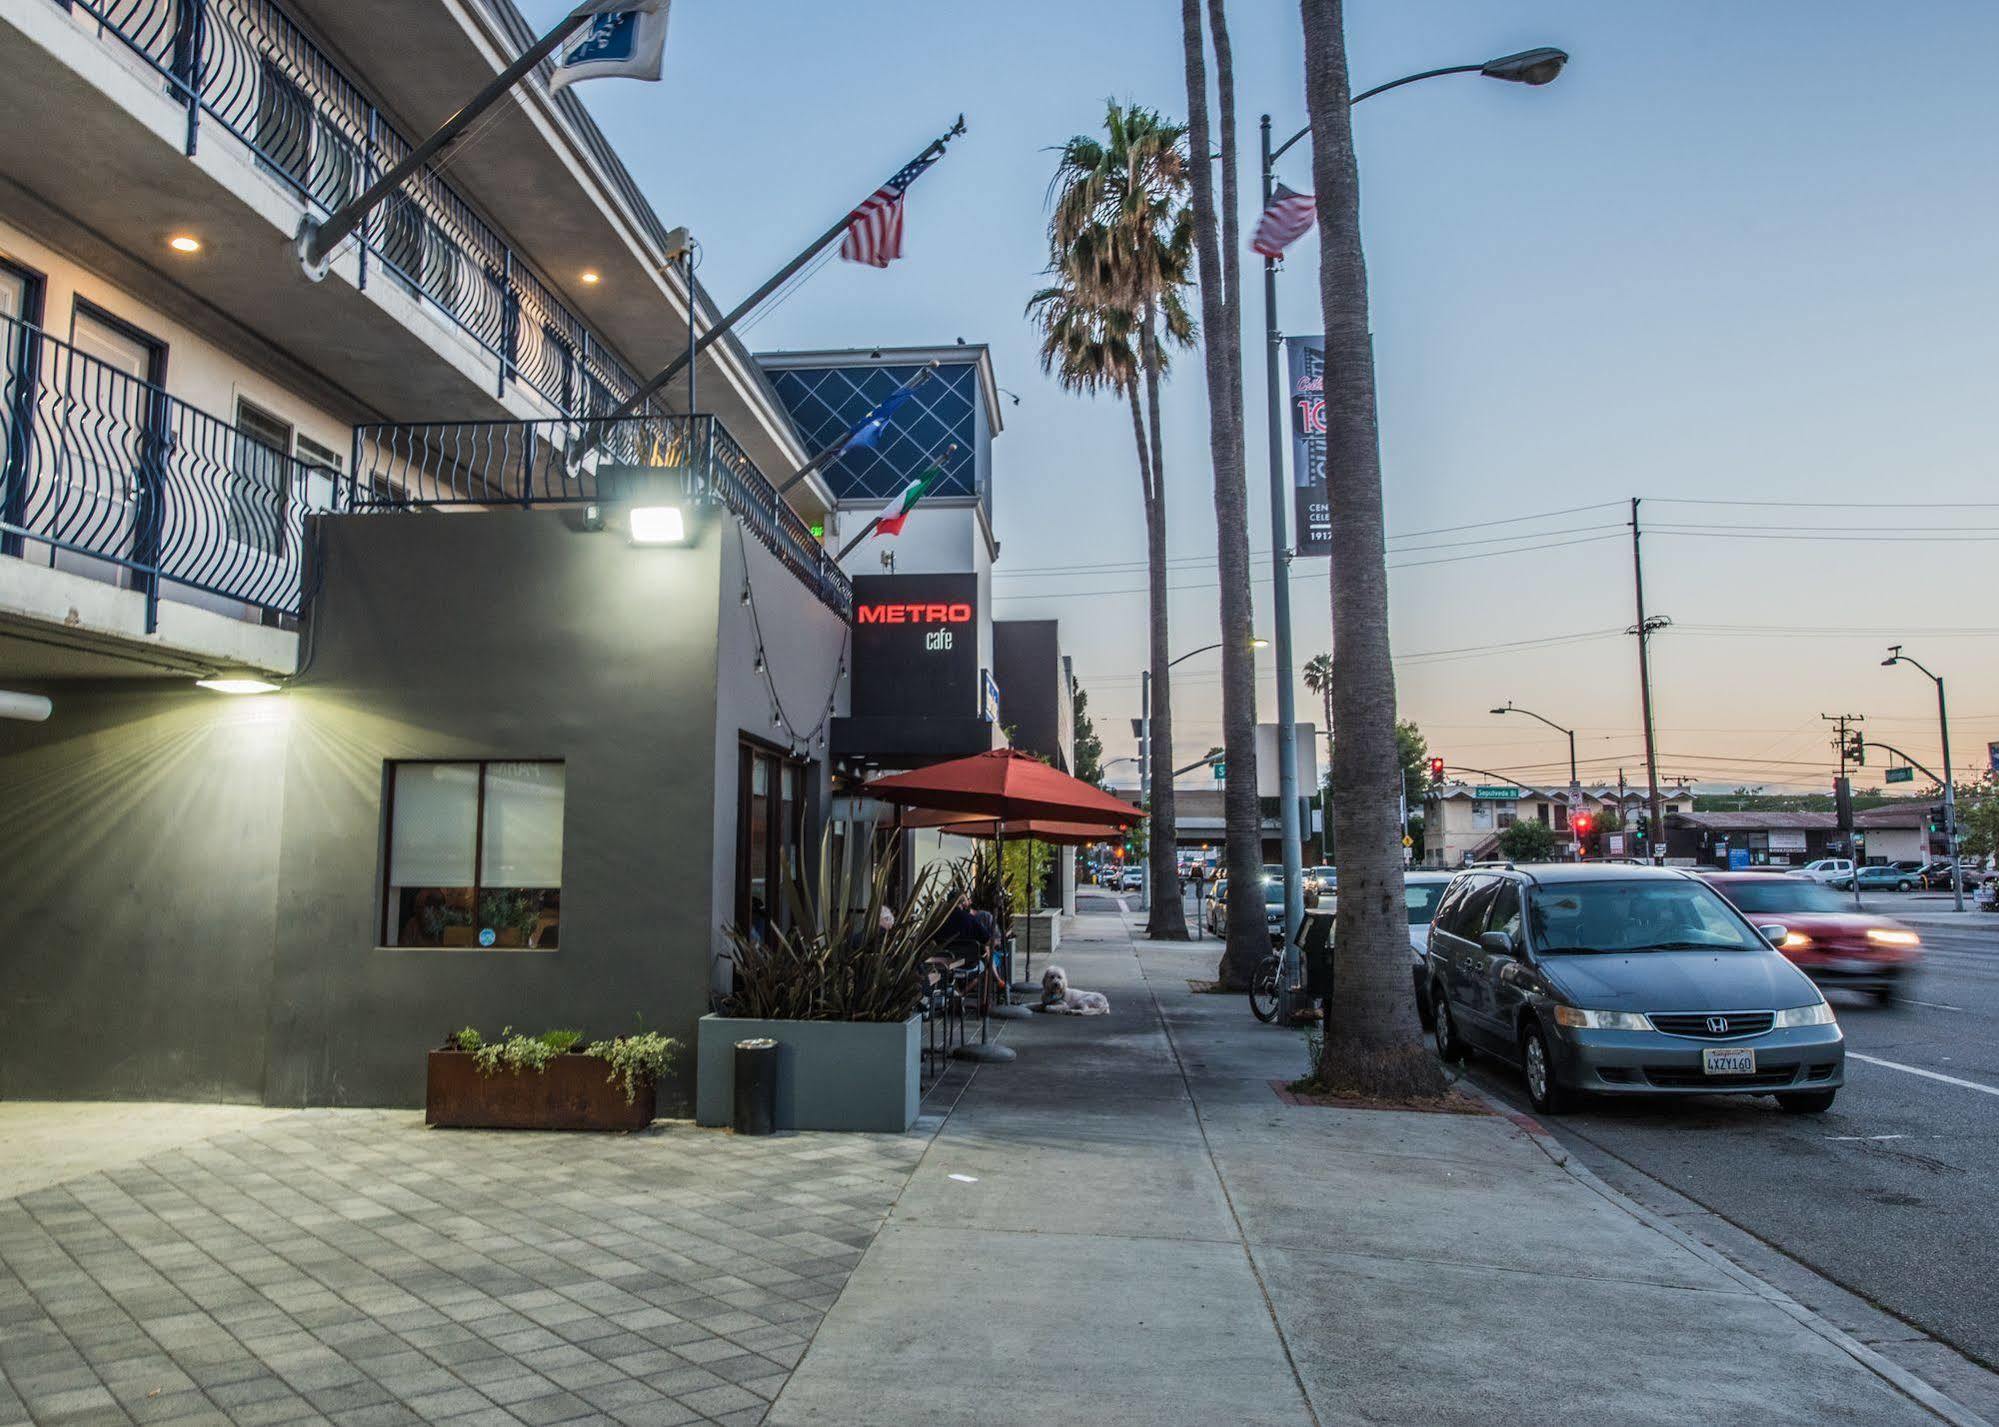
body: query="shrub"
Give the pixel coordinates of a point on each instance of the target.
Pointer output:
(635, 1060)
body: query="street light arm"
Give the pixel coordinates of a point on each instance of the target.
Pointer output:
(1535, 67)
(1191, 653)
(1510, 708)
(1279, 151)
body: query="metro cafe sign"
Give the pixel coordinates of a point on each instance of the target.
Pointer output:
(916, 646)
(938, 616)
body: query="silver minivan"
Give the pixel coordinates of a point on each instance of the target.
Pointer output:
(1622, 980)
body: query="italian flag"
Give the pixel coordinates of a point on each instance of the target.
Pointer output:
(890, 521)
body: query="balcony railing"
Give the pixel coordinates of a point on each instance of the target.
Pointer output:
(247, 66)
(106, 475)
(531, 463)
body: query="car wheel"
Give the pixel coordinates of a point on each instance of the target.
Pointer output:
(1903, 885)
(1543, 1091)
(1444, 1029)
(1806, 1102)
(1883, 995)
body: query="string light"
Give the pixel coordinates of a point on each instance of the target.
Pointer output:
(758, 667)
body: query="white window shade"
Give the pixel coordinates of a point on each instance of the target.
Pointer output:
(436, 817)
(523, 834)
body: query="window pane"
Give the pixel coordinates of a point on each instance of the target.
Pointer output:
(431, 842)
(523, 846)
(756, 832)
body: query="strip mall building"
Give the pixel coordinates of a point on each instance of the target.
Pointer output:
(556, 698)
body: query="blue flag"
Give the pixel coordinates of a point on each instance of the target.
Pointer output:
(869, 431)
(622, 39)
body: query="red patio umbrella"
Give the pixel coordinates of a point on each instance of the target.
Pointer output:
(1007, 785)
(1066, 834)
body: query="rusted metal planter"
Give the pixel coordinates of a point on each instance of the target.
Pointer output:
(575, 1092)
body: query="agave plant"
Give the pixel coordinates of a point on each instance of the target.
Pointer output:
(834, 960)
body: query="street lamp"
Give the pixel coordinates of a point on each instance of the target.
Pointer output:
(1896, 656)
(1145, 752)
(1575, 784)
(1532, 67)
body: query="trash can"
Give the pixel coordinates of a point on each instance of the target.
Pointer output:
(756, 1087)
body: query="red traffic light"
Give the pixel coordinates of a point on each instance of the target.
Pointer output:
(1582, 823)
(1436, 771)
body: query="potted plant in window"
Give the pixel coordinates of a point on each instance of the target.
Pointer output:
(552, 1081)
(836, 981)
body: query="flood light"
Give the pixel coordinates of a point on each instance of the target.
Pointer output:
(237, 684)
(658, 525)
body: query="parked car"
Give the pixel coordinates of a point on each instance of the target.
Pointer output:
(1824, 937)
(1131, 878)
(1827, 868)
(1935, 876)
(1879, 877)
(1421, 892)
(1217, 910)
(1626, 981)
(1213, 914)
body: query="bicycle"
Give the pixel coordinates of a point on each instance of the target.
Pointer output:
(1265, 988)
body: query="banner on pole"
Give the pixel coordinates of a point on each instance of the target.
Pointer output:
(1312, 512)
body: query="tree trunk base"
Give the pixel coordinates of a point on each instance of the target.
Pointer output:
(1393, 1072)
(1169, 933)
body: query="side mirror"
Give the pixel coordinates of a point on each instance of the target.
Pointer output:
(1496, 943)
(1774, 933)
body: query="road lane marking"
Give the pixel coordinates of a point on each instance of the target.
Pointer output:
(1926, 1074)
(1867, 1137)
(1933, 1005)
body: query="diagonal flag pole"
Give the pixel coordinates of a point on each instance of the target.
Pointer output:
(316, 241)
(932, 462)
(875, 414)
(674, 368)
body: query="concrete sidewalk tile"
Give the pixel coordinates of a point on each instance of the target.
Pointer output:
(1380, 1340)
(1181, 1325)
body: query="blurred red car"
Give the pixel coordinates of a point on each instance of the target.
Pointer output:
(1824, 937)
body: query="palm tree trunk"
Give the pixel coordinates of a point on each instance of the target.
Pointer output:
(1248, 937)
(1371, 1045)
(1167, 919)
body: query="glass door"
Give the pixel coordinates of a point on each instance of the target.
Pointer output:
(110, 431)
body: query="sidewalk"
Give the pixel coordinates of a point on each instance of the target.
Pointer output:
(1127, 1224)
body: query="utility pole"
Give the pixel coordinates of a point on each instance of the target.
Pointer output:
(1656, 838)
(1280, 594)
(1949, 779)
(1849, 747)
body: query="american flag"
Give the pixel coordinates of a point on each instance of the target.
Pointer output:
(874, 230)
(1283, 222)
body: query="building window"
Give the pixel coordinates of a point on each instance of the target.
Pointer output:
(474, 855)
(262, 479)
(770, 828)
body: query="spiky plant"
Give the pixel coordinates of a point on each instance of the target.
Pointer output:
(832, 960)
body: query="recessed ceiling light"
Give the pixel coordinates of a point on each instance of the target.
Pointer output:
(184, 243)
(590, 275)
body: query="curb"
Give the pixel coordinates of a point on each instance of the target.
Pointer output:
(1895, 1375)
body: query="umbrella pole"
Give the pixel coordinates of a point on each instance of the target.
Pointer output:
(1006, 1010)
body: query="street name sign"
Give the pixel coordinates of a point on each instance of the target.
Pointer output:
(1899, 775)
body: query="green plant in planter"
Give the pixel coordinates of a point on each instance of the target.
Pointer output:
(830, 958)
(517, 1052)
(467, 1039)
(637, 1060)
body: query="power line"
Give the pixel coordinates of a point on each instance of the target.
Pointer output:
(1827, 504)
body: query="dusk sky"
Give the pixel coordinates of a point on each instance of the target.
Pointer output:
(1738, 260)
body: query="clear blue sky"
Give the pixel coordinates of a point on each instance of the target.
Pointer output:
(1737, 252)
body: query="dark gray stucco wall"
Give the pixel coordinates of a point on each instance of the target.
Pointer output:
(498, 635)
(1027, 662)
(139, 836)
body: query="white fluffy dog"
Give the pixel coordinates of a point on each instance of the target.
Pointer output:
(1060, 999)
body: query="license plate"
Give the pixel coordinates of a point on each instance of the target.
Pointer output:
(1728, 1062)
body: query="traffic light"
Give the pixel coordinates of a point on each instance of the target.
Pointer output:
(1856, 749)
(1584, 824)
(1936, 812)
(1436, 772)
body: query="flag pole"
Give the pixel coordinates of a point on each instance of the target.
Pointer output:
(827, 455)
(673, 368)
(866, 530)
(316, 241)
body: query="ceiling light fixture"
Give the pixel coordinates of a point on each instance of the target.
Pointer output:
(184, 243)
(591, 276)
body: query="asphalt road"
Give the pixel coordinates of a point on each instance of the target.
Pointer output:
(1894, 1192)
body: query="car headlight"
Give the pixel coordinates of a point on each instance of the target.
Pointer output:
(1884, 936)
(1814, 1015)
(1601, 1020)
(1794, 941)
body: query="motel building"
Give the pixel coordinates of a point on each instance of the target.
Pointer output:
(1462, 821)
(361, 679)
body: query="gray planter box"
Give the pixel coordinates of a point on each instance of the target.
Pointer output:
(1044, 933)
(832, 1075)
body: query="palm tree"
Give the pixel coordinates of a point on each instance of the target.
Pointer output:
(1319, 679)
(1120, 243)
(1371, 1045)
(1216, 240)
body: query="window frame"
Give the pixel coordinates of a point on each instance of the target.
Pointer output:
(802, 818)
(383, 936)
(244, 526)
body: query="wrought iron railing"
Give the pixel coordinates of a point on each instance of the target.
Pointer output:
(401, 466)
(107, 475)
(247, 66)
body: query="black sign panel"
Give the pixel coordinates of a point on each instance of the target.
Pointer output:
(916, 646)
(1312, 517)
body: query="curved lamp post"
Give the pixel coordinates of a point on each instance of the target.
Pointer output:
(1145, 752)
(1575, 784)
(1949, 779)
(1531, 67)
